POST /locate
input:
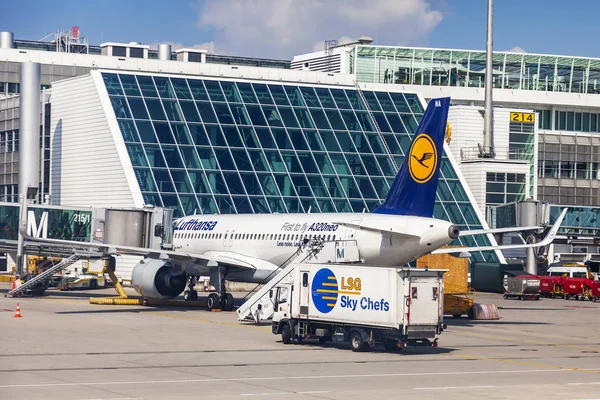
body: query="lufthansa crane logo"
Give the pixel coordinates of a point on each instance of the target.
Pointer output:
(423, 158)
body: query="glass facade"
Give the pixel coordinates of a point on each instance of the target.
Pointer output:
(466, 68)
(221, 146)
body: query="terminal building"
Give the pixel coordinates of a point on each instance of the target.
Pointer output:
(127, 126)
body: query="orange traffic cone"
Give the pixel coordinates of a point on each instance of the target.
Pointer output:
(13, 285)
(18, 311)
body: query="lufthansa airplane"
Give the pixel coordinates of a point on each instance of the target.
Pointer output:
(251, 247)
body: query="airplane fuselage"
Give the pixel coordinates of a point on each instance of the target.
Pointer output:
(381, 239)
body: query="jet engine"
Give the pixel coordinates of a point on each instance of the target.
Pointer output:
(156, 279)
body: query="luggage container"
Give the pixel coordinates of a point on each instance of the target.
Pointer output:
(522, 288)
(596, 291)
(551, 286)
(578, 288)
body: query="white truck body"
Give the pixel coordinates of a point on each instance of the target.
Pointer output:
(382, 302)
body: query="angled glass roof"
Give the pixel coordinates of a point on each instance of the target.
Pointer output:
(222, 146)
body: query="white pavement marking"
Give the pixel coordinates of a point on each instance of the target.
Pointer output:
(453, 387)
(583, 383)
(285, 393)
(279, 378)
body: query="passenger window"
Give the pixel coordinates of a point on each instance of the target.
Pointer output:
(328, 237)
(305, 279)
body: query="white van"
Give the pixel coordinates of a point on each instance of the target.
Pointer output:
(571, 271)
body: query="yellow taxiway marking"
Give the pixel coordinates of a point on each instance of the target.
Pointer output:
(211, 321)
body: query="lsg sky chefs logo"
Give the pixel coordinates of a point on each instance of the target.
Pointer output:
(327, 290)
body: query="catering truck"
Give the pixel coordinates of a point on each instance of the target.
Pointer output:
(363, 305)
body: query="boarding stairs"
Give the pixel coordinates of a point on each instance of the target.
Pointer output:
(259, 306)
(376, 125)
(64, 263)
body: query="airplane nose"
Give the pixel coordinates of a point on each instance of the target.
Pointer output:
(453, 232)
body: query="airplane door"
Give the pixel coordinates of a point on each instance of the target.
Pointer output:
(230, 240)
(304, 292)
(350, 233)
(225, 238)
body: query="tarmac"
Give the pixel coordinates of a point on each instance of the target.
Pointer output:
(65, 348)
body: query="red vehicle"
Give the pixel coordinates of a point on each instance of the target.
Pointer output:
(596, 291)
(578, 288)
(551, 286)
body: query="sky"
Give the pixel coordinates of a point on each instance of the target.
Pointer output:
(283, 28)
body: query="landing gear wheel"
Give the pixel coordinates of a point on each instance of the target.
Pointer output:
(213, 301)
(356, 342)
(227, 302)
(190, 295)
(286, 334)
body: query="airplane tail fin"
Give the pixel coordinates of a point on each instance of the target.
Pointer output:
(413, 191)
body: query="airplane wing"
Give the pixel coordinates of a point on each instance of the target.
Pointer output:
(378, 230)
(546, 241)
(240, 261)
(179, 256)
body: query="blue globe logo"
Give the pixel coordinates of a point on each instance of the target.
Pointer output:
(324, 290)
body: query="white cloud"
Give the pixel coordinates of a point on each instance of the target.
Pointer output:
(518, 49)
(284, 28)
(208, 46)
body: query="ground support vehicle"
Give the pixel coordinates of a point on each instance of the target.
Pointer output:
(551, 286)
(578, 288)
(363, 305)
(459, 304)
(82, 281)
(522, 288)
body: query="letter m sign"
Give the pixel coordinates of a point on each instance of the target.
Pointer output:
(35, 230)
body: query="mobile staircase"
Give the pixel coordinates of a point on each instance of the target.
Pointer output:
(64, 263)
(259, 306)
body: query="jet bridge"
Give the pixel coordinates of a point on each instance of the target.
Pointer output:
(259, 306)
(149, 227)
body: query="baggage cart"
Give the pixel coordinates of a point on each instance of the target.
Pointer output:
(522, 288)
(596, 291)
(551, 286)
(578, 288)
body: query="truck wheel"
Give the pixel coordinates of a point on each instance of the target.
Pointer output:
(391, 345)
(322, 340)
(286, 334)
(356, 341)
